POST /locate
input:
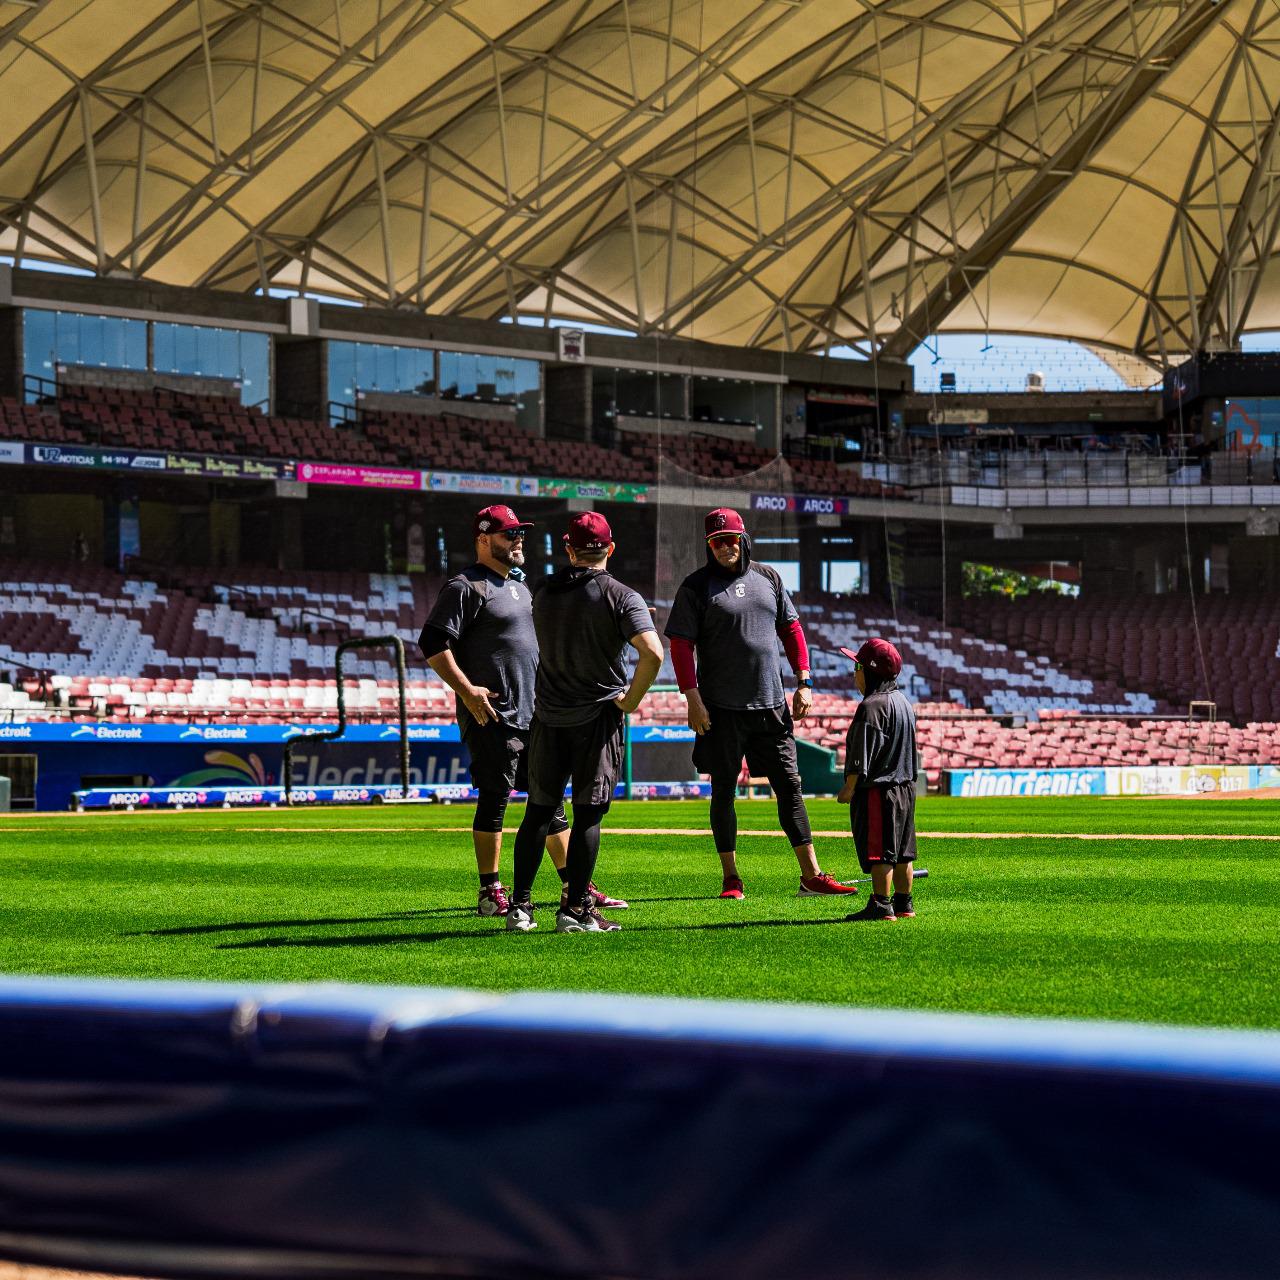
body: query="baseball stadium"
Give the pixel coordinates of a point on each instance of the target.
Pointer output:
(731, 475)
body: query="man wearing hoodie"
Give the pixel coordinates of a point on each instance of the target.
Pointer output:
(584, 619)
(732, 613)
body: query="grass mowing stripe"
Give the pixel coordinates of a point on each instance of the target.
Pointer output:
(1157, 931)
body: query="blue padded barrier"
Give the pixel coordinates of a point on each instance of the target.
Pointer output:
(191, 1129)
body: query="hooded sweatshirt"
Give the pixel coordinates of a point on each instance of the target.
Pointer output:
(733, 617)
(584, 619)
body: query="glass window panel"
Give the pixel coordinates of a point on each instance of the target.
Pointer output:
(229, 362)
(135, 344)
(162, 346)
(788, 571)
(186, 359)
(38, 345)
(255, 363)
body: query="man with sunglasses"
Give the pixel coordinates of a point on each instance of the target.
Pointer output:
(731, 614)
(479, 639)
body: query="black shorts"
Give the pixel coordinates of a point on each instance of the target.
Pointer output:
(884, 824)
(589, 755)
(766, 738)
(500, 761)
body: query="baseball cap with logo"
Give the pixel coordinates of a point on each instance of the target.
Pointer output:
(499, 519)
(878, 657)
(589, 531)
(722, 520)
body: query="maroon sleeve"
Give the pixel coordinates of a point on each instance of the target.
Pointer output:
(682, 660)
(794, 643)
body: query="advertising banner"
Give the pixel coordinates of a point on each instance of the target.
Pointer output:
(471, 482)
(973, 783)
(593, 490)
(1177, 780)
(1140, 780)
(192, 465)
(250, 733)
(359, 477)
(64, 455)
(132, 760)
(662, 733)
(811, 505)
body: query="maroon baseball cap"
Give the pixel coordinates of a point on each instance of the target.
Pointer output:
(722, 520)
(499, 519)
(877, 656)
(589, 531)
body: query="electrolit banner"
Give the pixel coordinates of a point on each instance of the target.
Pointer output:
(261, 734)
(359, 477)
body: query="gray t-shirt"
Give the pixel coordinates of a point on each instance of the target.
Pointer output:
(733, 622)
(880, 746)
(584, 619)
(489, 622)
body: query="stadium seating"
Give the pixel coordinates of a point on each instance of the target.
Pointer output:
(1151, 642)
(174, 420)
(953, 663)
(261, 648)
(83, 621)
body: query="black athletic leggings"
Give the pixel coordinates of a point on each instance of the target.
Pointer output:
(491, 808)
(584, 847)
(792, 815)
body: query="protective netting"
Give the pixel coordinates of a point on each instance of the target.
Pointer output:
(684, 497)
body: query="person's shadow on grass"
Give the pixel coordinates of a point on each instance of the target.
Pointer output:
(462, 935)
(238, 926)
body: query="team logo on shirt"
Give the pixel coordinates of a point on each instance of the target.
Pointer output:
(740, 589)
(515, 591)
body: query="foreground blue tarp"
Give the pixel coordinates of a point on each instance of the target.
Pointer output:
(190, 1129)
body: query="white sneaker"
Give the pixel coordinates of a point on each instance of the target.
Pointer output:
(520, 917)
(576, 922)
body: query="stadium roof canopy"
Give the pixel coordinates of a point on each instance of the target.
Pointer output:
(785, 173)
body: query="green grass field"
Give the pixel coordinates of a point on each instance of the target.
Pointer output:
(1177, 926)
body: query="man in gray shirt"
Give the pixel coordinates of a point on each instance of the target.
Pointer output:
(480, 640)
(585, 618)
(733, 613)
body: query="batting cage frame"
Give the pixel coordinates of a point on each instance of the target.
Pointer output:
(332, 735)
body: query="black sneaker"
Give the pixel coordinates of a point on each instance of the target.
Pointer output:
(876, 909)
(903, 907)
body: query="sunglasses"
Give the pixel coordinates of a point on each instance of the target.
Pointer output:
(513, 535)
(725, 539)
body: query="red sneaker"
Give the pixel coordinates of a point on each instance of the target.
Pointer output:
(822, 884)
(603, 902)
(492, 901)
(732, 887)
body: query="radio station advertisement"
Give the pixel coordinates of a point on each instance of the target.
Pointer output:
(191, 465)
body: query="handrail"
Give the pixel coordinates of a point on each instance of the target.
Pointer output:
(344, 648)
